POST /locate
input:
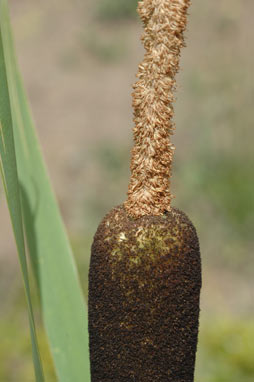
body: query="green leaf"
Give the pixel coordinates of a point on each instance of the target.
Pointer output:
(63, 307)
(9, 175)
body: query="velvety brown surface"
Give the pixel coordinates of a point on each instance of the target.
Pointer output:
(144, 286)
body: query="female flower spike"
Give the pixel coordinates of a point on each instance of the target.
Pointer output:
(145, 270)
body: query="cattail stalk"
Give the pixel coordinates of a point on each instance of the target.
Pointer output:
(145, 271)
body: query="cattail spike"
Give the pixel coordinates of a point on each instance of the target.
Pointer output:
(145, 270)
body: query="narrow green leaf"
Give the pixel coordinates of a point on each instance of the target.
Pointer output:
(9, 175)
(63, 307)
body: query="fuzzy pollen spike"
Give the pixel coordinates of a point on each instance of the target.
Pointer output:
(152, 154)
(145, 269)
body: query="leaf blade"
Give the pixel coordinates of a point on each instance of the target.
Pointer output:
(10, 181)
(64, 311)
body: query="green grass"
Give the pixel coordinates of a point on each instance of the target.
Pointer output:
(226, 350)
(15, 349)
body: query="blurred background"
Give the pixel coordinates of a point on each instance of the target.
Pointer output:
(79, 59)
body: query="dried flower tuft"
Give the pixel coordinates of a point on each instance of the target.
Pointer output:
(164, 25)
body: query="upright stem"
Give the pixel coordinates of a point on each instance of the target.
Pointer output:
(149, 187)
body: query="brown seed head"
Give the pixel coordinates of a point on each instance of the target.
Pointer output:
(144, 285)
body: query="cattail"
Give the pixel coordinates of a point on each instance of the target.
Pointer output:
(145, 271)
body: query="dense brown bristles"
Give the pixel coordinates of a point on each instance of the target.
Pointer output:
(144, 286)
